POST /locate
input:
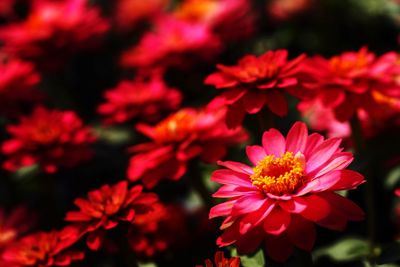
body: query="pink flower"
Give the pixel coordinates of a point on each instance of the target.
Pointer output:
(173, 43)
(145, 99)
(290, 188)
(50, 138)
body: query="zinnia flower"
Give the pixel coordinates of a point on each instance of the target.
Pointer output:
(358, 80)
(259, 81)
(173, 43)
(44, 249)
(50, 138)
(291, 186)
(221, 261)
(18, 80)
(54, 28)
(106, 207)
(229, 19)
(145, 99)
(183, 136)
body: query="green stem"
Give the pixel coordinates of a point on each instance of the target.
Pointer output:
(369, 193)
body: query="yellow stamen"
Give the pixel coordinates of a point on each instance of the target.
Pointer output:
(279, 176)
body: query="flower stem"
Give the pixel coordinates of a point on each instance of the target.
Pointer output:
(369, 192)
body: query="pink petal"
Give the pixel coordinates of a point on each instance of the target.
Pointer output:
(317, 208)
(338, 161)
(313, 141)
(231, 177)
(253, 219)
(286, 82)
(277, 221)
(222, 209)
(348, 180)
(321, 183)
(228, 191)
(273, 143)
(296, 139)
(322, 154)
(294, 205)
(345, 206)
(255, 154)
(248, 204)
(301, 233)
(236, 166)
(220, 80)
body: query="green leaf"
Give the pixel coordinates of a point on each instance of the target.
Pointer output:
(254, 260)
(347, 249)
(146, 264)
(114, 135)
(389, 253)
(393, 178)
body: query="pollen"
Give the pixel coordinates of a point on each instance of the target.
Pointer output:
(279, 175)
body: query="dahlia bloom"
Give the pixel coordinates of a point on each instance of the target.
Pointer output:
(49, 138)
(44, 249)
(183, 136)
(358, 80)
(106, 207)
(128, 13)
(259, 81)
(221, 261)
(158, 230)
(54, 28)
(173, 43)
(141, 98)
(290, 188)
(18, 80)
(13, 224)
(229, 19)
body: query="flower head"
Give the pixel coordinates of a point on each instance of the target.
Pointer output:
(50, 138)
(173, 43)
(44, 249)
(54, 28)
(143, 99)
(358, 80)
(291, 186)
(259, 81)
(221, 261)
(187, 134)
(18, 80)
(229, 19)
(106, 207)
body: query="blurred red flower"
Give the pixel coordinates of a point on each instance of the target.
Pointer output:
(14, 224)
(44, 249)
(173, 43)
(49, 138)
(181, 137)
(146, 99)
(291, 186)
(358, 80)
(259, 81)
(284, 9)
(54, 29)
(130, 12)
(161, 229)
(18, 81)
(229, 19)
(106, 207)
(221, 261)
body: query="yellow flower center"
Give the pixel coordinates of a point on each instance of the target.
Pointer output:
(279, 176)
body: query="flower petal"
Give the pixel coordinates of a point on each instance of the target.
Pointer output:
(277, 103)
(231, 177)
(274, 143)
(296, 139)
(301, 233)
(236, 166)
(317, 208)
(277, 221)
(255, 154)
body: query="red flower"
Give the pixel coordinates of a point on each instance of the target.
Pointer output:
(221, 261)
(259, 81)
(291, 186)
(44, 249)
(130, 12)
(54, 28)
(229, 19)
(18, 80)
(13, 225)
(7, 8)
(154, 232)
(183, 136)
(358, 80)
(146, 99)
(173, 43)
(50, 138)
(106, 207)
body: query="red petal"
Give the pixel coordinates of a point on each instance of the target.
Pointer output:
(255, 154)
(274, 143)
(277, 103)
(253, 102)
(277, 221)
(301, 233)
(317, 208)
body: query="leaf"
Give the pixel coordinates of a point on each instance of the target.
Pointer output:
(254, 260)
(389, 253)
(393, 178)
(347, 249)
(114, 135)
(146, 264)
